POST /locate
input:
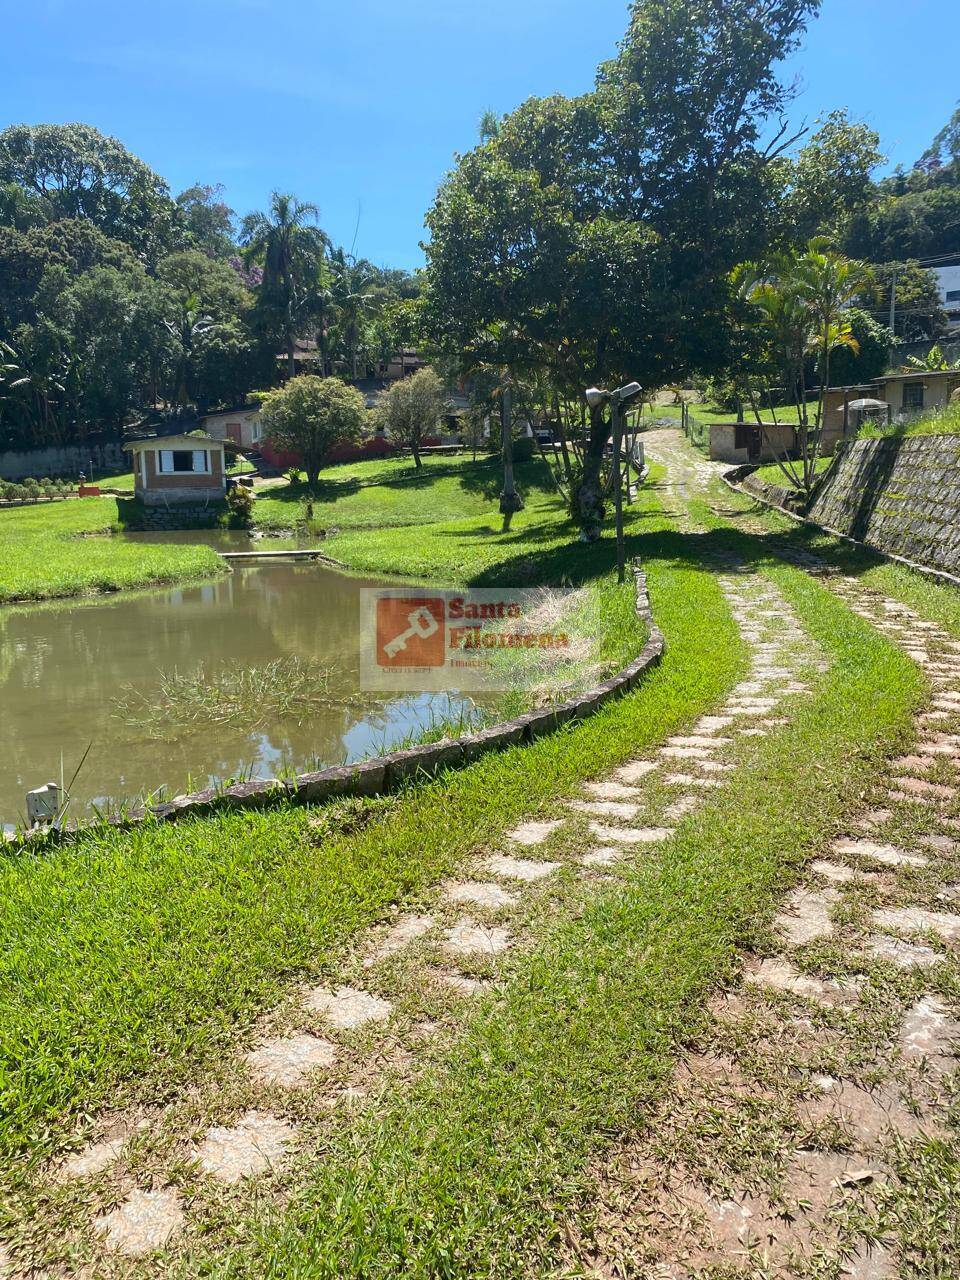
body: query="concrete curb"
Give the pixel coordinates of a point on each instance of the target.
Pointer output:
(733, 480)
(384, 774)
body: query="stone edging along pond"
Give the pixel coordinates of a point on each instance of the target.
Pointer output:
(385, 773)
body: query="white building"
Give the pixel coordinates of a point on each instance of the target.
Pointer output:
(948, 281)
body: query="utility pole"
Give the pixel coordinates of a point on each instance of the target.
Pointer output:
(893, 302)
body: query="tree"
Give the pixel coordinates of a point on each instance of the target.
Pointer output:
(941, 160)
(413, 408)
(208, 220)
(291, 248)
(74, 171)
(829, 181)
(591, 239)
(351, 302)
(918, 314)
(309, 415)
(189, 325)
(917, 224)
(804, 299)
(935, 361)
(872, 357)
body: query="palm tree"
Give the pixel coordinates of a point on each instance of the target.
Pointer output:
(802, 299)
(191, 323)
(352, 290)
(290, 247)
(42, 385)
(827, 282)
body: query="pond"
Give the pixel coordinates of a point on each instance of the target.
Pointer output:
(173, 687)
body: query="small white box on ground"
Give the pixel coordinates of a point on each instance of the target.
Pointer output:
(43, 804)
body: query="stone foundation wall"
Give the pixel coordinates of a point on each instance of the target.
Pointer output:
(901, 496)
(206, 515)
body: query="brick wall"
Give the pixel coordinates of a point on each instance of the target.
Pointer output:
(899, 495)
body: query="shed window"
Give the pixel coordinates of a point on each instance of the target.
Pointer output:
(953, 295)
(913, 395)
(191, 461)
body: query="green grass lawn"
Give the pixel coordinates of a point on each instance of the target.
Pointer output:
(47, 551)
(772, 474)
(468, 1172)
(391, 491)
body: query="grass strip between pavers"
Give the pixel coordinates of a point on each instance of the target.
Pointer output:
(469, 1172)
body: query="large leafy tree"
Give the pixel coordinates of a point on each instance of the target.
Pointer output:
(591, 239)
(208, 219)
(74, 171)
(829, 182)
(309, 415)
(289, 245)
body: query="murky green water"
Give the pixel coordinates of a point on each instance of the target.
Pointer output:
(63, 669)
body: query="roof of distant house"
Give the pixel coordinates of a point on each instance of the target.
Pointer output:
(189, 439)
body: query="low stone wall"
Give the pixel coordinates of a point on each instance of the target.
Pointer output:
(386, 773)
(779, 495)
(183, 515)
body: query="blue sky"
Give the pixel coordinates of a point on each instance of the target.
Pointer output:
(360, 106)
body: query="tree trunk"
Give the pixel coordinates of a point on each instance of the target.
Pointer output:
(510, 500)
(590, 498)
(415, 450)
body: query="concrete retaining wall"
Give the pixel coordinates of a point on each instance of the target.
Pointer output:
(207, 515)
(901, 496)
(61, 460)
(386, 773)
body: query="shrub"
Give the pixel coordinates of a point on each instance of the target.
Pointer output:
(523, 449)
(239, 506)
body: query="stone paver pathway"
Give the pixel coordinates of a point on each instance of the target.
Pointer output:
(332, 1042)
(812, 1084)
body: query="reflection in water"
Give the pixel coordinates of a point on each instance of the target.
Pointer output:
(61, 669)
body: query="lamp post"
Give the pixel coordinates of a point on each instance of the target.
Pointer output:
(618, 399)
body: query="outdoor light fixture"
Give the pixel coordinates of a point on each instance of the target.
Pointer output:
(596, 395)
(627, 392)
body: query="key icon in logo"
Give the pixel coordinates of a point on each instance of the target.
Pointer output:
(421, 622)
(410, 632)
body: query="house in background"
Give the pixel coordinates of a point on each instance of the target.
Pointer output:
(907, 393)
(742, 442)
(242, 426)
(186, 467)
